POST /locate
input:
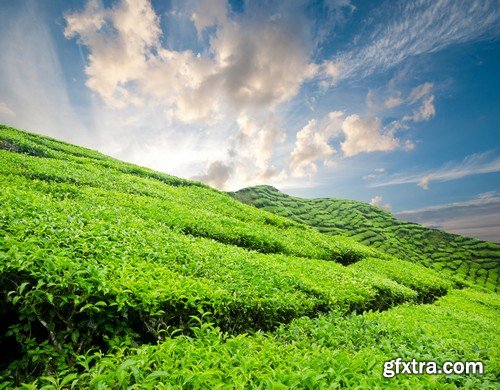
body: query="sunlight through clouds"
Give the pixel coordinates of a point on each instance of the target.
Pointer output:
(307, 96)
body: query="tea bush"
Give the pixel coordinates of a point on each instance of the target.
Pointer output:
(116, 276)
(330, 351)
(468, 258)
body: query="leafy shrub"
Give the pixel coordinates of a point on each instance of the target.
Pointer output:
(112, 275)
(477, 261)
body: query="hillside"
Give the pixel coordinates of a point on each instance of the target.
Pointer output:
(475, 260)
(116, 276)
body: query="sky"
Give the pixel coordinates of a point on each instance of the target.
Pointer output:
(391, 102)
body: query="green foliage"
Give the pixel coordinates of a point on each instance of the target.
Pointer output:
(464, 258)
(115, 276)
(196, 210)
(425, 282)
(331, 351)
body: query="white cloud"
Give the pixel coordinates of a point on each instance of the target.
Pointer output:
(256, 64)
(252, 64)
(409, 145)
(420, 100)
(315, 141)
(474, 164)
(417, 28)
(312, 144)
(377, 201)
(330, 72)
(420, 92)
(375, 174)
(427, 109)
(371, 137)
(247, 159)
(366, 135)
(393, 101)
(255, 139)
(126, 63)
(482, 199)
(209, 13)
(478, 217)
(212, 109)
(379, 102)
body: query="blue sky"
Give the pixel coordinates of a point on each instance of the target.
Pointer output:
(392, 103)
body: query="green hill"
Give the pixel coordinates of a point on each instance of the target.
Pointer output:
(475, 260)
(116, 276)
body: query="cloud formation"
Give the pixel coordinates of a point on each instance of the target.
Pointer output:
(375, 174)
(425, 112)
(393, 101)
(217, 174)
(419, 101)
(247, 159)
(312, 144)
(119, 41)
(320, 140)
(418, 27)
(478, 217)
(420, 92)
(352, 133)
(377, 201)
(474, 164)
(421, 95)
(366, 135)
(252, 64)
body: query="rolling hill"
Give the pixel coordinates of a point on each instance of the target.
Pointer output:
(475, 260)
(117, 276)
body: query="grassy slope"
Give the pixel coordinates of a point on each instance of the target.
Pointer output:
(102, 257)
(477, 261)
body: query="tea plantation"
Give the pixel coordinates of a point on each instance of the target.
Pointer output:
(116, 276)
(477, 261)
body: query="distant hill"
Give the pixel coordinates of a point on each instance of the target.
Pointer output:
(478, 261)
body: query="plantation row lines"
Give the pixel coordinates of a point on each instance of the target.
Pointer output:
(475, 260)
(115, 276)
(91, 254)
